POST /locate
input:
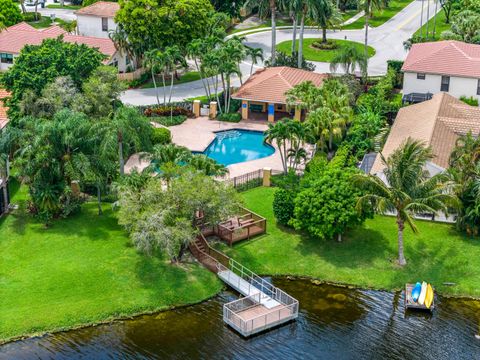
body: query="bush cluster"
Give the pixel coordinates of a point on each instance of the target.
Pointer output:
(328, 45)
(230, 117)
(170, 120)
(161, 136)
(167, 111)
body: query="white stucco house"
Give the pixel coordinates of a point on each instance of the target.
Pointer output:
(97, 19)
(14, 38)
(449, 66)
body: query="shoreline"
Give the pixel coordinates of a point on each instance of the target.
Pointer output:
(314, 281)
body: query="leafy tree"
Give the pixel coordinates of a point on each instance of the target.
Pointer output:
(9, 13)
(207, 166)
(231, 8)
(170, 227)
(326, 206)
(101, 93)
(465, 27)
(410, 189)
(287, 188)
(157, 24)
(447, 6)
(39, 65)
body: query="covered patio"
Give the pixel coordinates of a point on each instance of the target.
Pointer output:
(263, 94)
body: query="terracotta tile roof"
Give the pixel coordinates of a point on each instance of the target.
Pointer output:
(437, 122)
(449, 57)
(21, 26)
(100, 8)
(3, 109)
(14, 38)
(270, 84)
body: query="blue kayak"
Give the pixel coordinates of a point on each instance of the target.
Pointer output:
(417, 289)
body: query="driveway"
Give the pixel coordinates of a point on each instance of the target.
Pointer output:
(387, 40)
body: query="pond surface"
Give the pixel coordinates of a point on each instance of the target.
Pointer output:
(236, 146)
(334, 323)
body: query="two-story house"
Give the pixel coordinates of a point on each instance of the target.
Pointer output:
(449, 66)
(97, 19)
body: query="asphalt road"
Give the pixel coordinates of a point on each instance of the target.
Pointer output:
(387, 40)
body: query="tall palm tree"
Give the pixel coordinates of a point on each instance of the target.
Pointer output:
(349, 57)
(293, 8)
(173, 57)
(255, 55)
(265, 8)
(408, 189)
(278, 133)
(368, 7)
(152, 61)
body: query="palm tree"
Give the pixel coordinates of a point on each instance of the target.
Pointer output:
(266, 7)
(172, 58)
(349, 57)
(255, 54)
(408, 189)
(368, 7)
(196, 50)
(152, 61)
(435, 19)
(207, 165)
(421, 21)
(293, 7)
(119, 38)
(278, 132)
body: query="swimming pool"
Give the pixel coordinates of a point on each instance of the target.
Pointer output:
(236, 146)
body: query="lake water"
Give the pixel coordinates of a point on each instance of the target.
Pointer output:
(334, 323)
(235, 146)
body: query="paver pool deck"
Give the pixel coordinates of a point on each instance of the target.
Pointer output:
(197, 134)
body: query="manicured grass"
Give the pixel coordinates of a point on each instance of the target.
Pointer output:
(267, 24)
(440, 26)
(313, 54)
(367, 256)
(185, 78)
(45, 22)
(69, 7)
(83, 270)
(379, 16)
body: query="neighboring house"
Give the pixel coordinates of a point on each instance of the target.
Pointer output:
(264, 92)
(4, 194)
(97, 19)
(14, 38)
(448, 66)
(438, 123)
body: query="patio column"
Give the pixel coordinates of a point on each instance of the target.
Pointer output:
(245, 109)
(213, 110)
(271, 112)
(196, 108)
(267, 174)
(298, 113)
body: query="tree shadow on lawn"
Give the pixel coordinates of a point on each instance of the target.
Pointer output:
(360, 247)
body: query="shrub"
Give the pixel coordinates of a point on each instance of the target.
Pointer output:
(30, 16)
(161, 136)
(171, 120)
(230, 117)
(328, 45)
(140, 81)
(283, 205)
(284, 59)
(469, 100)
(164, 111)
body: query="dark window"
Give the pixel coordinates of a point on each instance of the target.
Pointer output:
(478, 87)
(6, 58)
(445, 83)
(104, 24)
(420, 76)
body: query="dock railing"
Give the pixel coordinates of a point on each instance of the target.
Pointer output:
(246, 225)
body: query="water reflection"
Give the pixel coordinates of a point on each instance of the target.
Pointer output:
(334, 323)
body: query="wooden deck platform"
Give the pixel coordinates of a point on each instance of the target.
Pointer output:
(410, 304)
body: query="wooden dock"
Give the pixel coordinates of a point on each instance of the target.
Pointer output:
(263, 306)
(410, 304)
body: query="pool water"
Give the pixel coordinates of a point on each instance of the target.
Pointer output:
(236, 146)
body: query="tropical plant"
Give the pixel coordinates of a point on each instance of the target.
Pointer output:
(368, 7)
(349, 57)
(153, 60)
(265, 8)
(408, 188)
(255, 55)
(207, 166)
(9, 13)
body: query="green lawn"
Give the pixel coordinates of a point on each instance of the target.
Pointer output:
(366, 257)
(440, 26)
(313, 54)
(84, 270)
(45, 22)
(379, 16)
(185, 78)
(267, 24)
(69, 7)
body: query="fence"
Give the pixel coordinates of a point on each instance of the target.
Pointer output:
(247, 181)
(241, 227)
(130, 76)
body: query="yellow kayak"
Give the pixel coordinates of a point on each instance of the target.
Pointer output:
(429, 296)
